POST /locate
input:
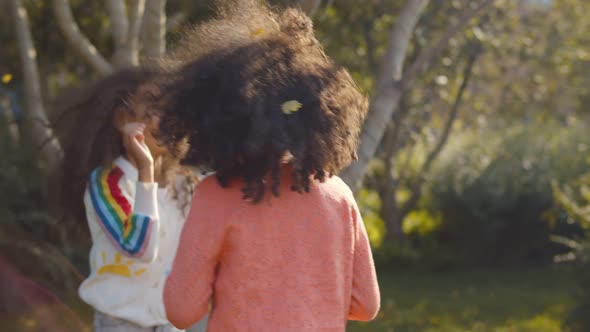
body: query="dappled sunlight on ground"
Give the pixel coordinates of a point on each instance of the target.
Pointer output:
(528, 300)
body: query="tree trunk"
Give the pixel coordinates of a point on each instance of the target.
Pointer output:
(137, 10)
(388, 91)
(390, 212)
(388, 189)
(394, 214)
(8, 114)
(126, 30)
(76, 40)
(154, 29)
(390, 88)
(388, 192)
(120, 30)
(416, 190)
(35, 112)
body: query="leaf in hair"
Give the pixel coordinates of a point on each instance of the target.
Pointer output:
(291, 106)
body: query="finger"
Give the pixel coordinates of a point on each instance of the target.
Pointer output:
(140, 137)
(126, 128)
(138, 132)
(134, 143)
(131, 127)
(134, 124)
(136, 129)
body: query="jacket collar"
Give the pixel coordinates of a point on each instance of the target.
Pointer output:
(128, 169)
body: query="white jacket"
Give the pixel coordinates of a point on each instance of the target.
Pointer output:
(135, 228)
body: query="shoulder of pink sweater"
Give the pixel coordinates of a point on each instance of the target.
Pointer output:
(338, 186)
(210, 193)
(208, 183)
(208, 190)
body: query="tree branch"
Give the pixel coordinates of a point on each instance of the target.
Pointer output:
(137, 10)
(388, 95)
(389, 90)
(464, 21)
(154, 28)
(119, 24)
(416, 190)
(388, 187)
(119, 29)
(399, 42)
(33, 98)
(8, 115)
(77, 40)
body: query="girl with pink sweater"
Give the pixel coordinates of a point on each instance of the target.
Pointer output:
(274, 241)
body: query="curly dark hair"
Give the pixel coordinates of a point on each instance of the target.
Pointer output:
(272, 95)
(91, 140)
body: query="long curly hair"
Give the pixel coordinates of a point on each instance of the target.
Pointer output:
(266, 97)
(91, 140)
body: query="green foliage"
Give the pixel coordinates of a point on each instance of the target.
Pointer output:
(421, 223)
(31, 237)
(493, 190)
(23, 191)
(578, 320)
(399, 255)
(57, 65)
(575, 203)
(426, 255)
(422, 253)
(355, 35)
(574, 198)
(370, 205)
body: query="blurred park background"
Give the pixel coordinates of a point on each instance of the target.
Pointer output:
(473, 176)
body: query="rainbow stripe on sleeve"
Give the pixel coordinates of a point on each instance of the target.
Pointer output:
(129, 232)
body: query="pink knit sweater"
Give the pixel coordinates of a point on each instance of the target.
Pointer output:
(300, 262)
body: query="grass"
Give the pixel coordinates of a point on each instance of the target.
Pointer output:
(517, 300)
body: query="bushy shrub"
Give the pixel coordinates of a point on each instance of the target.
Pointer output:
(493, 191)
(578, 320)
(574, 199)
(31, 237)
(369, 205)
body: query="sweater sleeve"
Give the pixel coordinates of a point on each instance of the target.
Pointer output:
(131, 226)
(365, 297)
(193, 270)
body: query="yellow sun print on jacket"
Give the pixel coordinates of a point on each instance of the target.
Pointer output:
(119, 267)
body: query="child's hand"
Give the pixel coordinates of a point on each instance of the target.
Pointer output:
(133, 141)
